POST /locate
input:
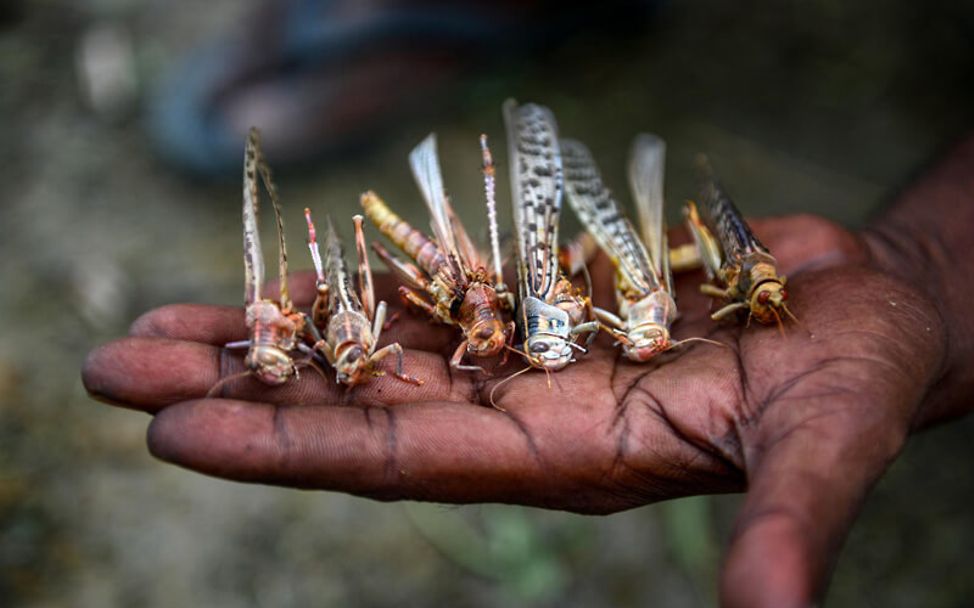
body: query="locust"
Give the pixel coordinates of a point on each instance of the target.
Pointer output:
(449, 279)
(745, 271)
(643, 282)
(274, 327)
(346, 324)
(551, 312)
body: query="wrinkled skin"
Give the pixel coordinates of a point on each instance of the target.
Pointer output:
(805, 422)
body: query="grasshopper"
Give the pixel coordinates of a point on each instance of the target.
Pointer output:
(551, 313)
(448, 278)
(732, 256)
(275, 327)
(644, 284)
(347, 324)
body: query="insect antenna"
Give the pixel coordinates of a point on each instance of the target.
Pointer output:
(777, 317)
(224, 381)
(792, 316)
(493, 390)
(695, 339)
(310, 362)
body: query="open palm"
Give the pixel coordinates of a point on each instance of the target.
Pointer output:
(805, 421)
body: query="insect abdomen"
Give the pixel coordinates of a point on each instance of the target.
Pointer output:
(413, 242)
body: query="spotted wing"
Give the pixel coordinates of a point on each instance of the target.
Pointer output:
(425, 163)
(253, 253)
(602, 217)
(537, 188)
(647, 163)
(722, 217)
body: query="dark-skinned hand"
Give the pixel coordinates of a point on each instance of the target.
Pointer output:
(805, 422)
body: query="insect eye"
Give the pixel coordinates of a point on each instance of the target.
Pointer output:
(539, 347)
(764, 296)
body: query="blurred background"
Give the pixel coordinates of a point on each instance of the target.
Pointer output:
(121, 123)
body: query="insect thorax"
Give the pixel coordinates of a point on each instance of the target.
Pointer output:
(657, 308)
(479, 304)
(347, 326)
(269, 326)
(538, 317)
(757, 268)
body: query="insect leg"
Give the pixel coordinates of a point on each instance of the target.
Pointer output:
(411, 298)
(510, 342)
(608, 318)
(729, 309)
(457, 358)
(584, 328)
(707, 245)
(319, 351)
(576, 255)
(408, 273)
(685, 258)
(490, 196)
(507, 299)
(267, 178)
(378, 323)
(238, 344)
(366, 291)
(319, 310)
(385, 351)
(612, 324)
(315, 352)
(715, 292)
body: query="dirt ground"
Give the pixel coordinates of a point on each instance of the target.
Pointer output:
(804, 107)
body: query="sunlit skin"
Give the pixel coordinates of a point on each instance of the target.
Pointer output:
(805, 423)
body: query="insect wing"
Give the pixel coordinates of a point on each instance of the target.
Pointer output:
(600, 214)
(469, 253)
(537, 188)
(722, 217)
(253, 254)
(268, 179)
(647, 163)
(425, 163)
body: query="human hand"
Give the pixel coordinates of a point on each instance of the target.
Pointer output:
(806, 422)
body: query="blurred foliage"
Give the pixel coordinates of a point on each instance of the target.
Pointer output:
(692, 541)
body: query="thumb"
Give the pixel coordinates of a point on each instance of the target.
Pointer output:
(806, 486)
